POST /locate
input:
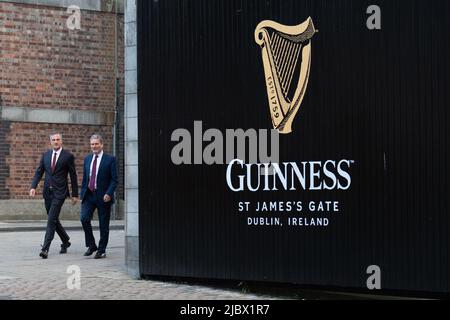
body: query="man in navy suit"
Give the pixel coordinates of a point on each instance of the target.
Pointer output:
(97, 192)
(56, 164)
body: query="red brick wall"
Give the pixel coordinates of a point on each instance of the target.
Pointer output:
(45, 65)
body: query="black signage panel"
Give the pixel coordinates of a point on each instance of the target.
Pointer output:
(295, 141)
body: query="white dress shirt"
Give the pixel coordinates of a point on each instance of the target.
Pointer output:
(58, 153)
(99, 159)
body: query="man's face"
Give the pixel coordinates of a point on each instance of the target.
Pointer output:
(56, 142)
(96, 146)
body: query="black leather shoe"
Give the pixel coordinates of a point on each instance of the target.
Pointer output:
(100, 255)
(64, 247)
(43, 254)
(90, 251)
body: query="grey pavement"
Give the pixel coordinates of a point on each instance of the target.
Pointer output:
(25, 276)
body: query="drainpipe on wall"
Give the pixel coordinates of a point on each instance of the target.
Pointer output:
(116, 129)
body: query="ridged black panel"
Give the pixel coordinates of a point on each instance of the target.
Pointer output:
(381, 98)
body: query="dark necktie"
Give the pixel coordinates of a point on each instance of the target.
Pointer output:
(93, 175)
(54, 162)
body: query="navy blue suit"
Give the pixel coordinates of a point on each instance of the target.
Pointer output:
(106, 181)
(56, 190)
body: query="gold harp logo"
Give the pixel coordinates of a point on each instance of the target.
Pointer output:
(286, 55)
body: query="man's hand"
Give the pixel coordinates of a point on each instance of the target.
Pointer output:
(74, 201)
(33, 193)
(107, 198)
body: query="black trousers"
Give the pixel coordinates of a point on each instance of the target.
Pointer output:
(53, 207)
(91, 202)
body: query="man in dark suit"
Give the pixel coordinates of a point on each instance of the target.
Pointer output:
(97, 192)
(56, 164)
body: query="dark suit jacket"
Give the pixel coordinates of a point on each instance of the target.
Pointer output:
(58, 179)
(106, 177)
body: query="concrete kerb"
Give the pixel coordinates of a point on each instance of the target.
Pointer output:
(28, 226)
(34, 210)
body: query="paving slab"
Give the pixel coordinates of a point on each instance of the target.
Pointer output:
(25, 276)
